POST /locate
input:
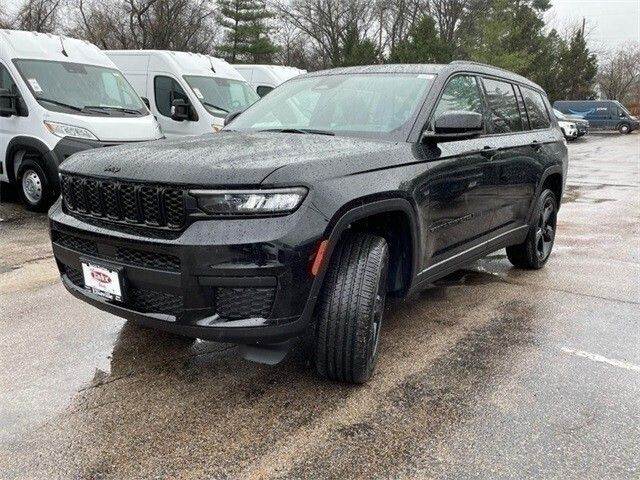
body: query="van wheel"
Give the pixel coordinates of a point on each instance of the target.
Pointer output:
(534, 252)
(351, 306)
(35, 189)
(624, 128)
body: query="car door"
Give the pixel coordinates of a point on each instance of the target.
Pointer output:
(513, 166)
(165, 90)
(14, 125)
(454, 194)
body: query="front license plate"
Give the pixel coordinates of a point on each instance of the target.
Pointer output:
(102, 281)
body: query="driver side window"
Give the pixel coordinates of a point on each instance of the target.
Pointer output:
(462, 93)
(166, 90)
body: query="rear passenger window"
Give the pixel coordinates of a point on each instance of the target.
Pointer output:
(166, 91)
(462, 93)
(536, 109)
(503, 106)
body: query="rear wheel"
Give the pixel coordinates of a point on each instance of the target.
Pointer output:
(35, 189)
(351, 306)
(624, 128)
(534, 252)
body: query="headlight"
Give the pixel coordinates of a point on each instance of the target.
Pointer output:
(63, 130)
(247, 202)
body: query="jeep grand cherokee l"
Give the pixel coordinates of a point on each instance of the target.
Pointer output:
(337, 189)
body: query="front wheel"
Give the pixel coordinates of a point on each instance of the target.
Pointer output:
(349, 316)
(534, 252)
(35, 189)
(624, 128)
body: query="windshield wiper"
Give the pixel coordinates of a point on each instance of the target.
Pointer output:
(107, 108)
(299, 130)
(207, 104)
(61, 104)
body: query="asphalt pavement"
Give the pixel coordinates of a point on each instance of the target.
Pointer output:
(492, 373)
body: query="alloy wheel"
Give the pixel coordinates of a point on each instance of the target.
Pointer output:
(546, 230)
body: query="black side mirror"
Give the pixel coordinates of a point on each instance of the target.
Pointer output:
(180, 110)
(456, 125)
(231, 116)
(145, 100)
(8, 104)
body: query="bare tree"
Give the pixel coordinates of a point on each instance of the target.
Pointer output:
(448, 14)
(38, 15)
(329, 24)
(619, 72)
(145, 24)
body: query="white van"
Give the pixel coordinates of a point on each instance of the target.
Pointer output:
(189, 93)
(58, 96)
(264, 78)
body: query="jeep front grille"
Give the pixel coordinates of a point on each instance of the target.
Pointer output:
(124, 202)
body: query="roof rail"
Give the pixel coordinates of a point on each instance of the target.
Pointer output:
(480, 64)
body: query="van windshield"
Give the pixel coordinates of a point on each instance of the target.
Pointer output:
(370, 105)
(80, 89)
(221, 95)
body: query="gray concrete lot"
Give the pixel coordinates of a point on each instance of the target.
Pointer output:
(493, 373)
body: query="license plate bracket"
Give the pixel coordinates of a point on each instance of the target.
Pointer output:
(103, 279)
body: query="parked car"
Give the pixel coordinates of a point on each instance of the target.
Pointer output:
(189, 93)
(58, 96)
(264, 78)
(568, 127)
(601, 114)
(582, 125)
(337, 189)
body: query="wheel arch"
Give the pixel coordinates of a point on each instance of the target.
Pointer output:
(392, 218)
(25, 145)
(552, 178)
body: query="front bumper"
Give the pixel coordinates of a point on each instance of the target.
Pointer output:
(243, 281)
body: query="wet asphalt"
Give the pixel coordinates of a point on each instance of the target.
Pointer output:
(492, 373)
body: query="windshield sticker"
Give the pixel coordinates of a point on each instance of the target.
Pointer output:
(427, 76)
(35, 85)
(198, 93)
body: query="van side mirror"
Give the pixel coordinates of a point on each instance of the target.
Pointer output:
(145, 100)
(455, 125)
(180, 110)
(8, 104)
(231, 116)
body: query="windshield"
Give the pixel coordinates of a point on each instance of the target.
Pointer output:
(373, 105)
(77, 88)
(221, 95)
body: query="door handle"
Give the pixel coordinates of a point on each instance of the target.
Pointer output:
(537, 146)
(488, 152)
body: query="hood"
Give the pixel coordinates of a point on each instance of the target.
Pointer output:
(225, 158)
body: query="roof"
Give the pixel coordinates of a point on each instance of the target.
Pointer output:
(187, 62)
(426, 68)
(281, 73)
(45, 46)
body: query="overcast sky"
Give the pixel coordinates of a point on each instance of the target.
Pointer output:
(611, 23)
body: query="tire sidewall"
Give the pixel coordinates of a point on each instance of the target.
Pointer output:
(45, 199)
(624, 128)
(531, 243)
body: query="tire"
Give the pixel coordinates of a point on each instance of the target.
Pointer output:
(35, 189)
(350, 311)
(624, 128)
(534, 252)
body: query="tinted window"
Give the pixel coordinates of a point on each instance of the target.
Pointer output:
(166, 91)
(503, 106)
(461, 94)
(536, 109)
(263, 90)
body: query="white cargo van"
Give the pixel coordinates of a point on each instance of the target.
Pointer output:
(58, 96)
(189, 93)
(264, 78)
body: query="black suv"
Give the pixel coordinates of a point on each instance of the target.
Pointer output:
(335, 190)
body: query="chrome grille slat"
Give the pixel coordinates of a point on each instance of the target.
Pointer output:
(125, 202)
